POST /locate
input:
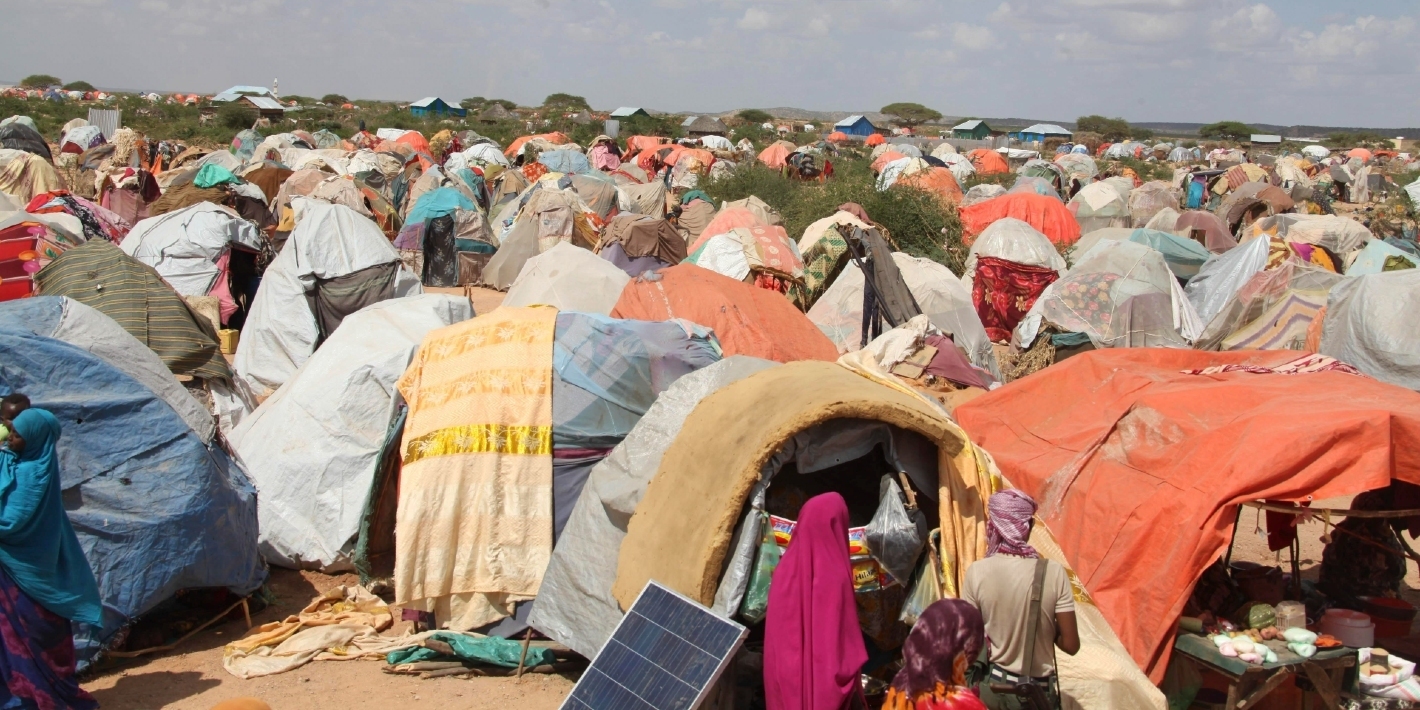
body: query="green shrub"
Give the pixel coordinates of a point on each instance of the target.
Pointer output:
(919, 222)
(78, 86)
(236, 116)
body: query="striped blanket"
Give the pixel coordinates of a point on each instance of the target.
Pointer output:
(473, 532)
(99, 275)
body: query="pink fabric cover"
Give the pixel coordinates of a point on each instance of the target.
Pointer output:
(813, 648)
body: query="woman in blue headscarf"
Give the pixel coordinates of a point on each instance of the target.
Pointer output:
(45, 582)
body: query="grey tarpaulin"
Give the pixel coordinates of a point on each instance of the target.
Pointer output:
(574, 605)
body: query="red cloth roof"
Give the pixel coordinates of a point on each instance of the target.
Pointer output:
(1139, 468)
(747, 320)
(1048, 215)
(988, 162)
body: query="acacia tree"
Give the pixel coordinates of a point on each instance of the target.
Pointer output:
(566, 102)
(336, 99)
(754, 115)
(78, 86)
(1226, 130)
(909, 115)
(40, 81)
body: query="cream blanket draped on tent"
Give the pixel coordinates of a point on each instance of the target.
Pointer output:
(473, 533)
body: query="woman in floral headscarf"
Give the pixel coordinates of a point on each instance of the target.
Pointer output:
(945, 641)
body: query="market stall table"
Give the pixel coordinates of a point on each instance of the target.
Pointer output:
(1249, 683)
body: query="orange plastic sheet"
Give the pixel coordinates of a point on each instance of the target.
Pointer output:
(747, 320)
(938, 181)
(875, 139)
(1047, 214)
(988, 162)
(774, 156)
(1140, 468)
(887, 157)
(724, 221)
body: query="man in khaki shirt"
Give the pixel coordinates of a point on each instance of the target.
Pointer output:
(1000, 586)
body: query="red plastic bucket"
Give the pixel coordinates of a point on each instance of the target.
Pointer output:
(1393, 617)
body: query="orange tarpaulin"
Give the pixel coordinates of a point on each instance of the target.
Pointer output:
(1048, 215)
(988, 162)
(554, 137)
(938, 181)
(875, 139)
(415, 140)
(726, 220)
(884, 159)
(774, 155)
(636, 144)
(747, 320)
(1362, 153)
(1139, 468)
(838, 137)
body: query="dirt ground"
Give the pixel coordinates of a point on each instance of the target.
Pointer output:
(191, 677)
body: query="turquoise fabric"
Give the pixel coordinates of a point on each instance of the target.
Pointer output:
(1183, 256)
(491, 650)
(212, 175)
(695, 195)
(38, 546)
(437, 203)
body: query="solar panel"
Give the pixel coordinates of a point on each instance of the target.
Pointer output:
(666, 654)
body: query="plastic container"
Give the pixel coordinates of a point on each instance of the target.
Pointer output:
(1351, 628)
(1393, 617)
(1291, 615)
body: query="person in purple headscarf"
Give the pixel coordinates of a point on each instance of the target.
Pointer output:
(944, 642)
(1000, 586)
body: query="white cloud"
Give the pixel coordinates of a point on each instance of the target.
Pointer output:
(975, 37)
(755, 20)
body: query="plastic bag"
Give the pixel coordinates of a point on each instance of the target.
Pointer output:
(895, 536)
(926, 589)
(756, 600)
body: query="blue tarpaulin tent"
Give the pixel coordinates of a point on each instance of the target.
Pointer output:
(157, 507)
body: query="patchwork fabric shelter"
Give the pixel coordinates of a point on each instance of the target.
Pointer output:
(746, 320)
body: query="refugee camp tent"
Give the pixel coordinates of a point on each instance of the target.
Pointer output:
(604, 374)
(315, 487)
(568, 278)
(944, 298)
(157, 504)
(1098, 206)
(1371, 323)
(1223, 275)
(824, 250)
(1046, 214)
(988, 162)
(935, 181)
(981, 193)
(746, 320)
(774, 156)
(80, 139)
(1148, 199)
(1338, 235)
(1274, 310)
(24, 174)
(1250, 202)
(1378, 256)
(1126, 443)
(1184, 256)
(565, 161)
(1206, 229)
(17, 135)
(711, 508)
(1120, 294)
(340, 257)
(638, 243)
(190, 248)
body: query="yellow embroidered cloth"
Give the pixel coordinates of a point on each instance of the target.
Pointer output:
(473, 532)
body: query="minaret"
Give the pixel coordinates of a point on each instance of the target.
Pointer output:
(276, 88)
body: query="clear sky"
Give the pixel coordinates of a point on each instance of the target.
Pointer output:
(1329, 62)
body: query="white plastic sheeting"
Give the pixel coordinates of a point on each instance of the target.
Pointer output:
(1373, 323)
(1016, 241)
(1120, 294)
(1315, 151)
(570, 278)
(1338, 235)
(281, 332)
(1221, 276)
(312, 448)
(944, 299)
(981, 193)
(959, 164)
(184, 246)
(575, 606)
